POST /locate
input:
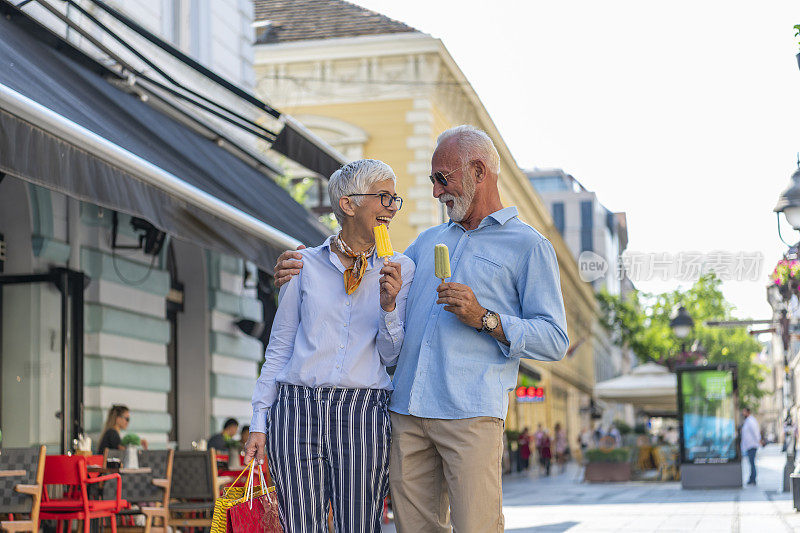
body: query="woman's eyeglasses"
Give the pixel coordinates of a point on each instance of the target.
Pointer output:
(386, 198)
(442, 178)
(127, 418)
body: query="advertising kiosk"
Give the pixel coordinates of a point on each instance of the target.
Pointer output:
(707, 408)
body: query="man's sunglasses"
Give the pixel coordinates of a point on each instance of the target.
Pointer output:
(442, 178)
(386, 199)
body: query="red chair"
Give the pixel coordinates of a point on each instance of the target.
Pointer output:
(71, 471)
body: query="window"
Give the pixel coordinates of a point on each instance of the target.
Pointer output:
(549, 184)
(587, 226)
(558, 216)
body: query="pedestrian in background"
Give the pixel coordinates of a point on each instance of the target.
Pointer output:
(545, 452)
(119, 416)
(615, 434)
(598, 435)
(222, 442)
(523, 450)
(751, 440)
(561, 446)
(585, 440)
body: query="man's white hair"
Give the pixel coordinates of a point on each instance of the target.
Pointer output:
(473, 144)
(356, 178)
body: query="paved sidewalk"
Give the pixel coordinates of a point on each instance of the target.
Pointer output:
(562, 503)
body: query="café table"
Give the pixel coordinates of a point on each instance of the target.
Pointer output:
(92, 469)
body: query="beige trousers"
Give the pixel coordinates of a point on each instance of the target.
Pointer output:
(446, 471)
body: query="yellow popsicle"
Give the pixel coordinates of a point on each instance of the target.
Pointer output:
(442, 255)
(382, 242)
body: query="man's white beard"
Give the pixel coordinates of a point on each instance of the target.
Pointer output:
(460, 203)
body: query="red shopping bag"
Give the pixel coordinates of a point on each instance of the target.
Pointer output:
(255, 514)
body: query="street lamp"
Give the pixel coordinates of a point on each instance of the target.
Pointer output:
(682, 326)
(789, 204)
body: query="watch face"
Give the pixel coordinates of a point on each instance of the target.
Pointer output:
(491, 321)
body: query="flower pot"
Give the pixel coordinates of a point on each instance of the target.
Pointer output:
(798, 60)
(603, 472)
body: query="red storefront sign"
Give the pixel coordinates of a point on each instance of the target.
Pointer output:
(530, 394)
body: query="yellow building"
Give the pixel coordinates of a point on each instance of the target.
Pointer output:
(374, 87)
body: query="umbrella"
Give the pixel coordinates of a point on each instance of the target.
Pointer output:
(649, 387)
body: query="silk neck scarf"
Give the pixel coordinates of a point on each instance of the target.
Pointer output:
(354, 274)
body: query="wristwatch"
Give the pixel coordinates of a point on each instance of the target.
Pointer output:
(490, 321)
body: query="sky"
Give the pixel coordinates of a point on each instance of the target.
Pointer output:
(683, 114)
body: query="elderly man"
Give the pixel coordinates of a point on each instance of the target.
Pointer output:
(464, 339)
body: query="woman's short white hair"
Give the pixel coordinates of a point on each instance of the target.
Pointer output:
(473, 144)
(355, 178)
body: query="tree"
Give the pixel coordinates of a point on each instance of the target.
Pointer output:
(640, 321)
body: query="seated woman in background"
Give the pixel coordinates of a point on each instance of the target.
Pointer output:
(119, 416)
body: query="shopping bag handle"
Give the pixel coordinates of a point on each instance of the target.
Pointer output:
(246, 469)
(251, 481)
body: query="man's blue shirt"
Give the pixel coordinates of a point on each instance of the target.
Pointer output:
(449, 370)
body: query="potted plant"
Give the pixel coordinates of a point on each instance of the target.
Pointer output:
(787, 277)
(797, 34)
(604, 465)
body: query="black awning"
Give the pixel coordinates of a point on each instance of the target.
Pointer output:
(295, 144)
(39, 65)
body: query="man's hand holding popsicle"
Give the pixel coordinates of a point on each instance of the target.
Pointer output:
(456, 297)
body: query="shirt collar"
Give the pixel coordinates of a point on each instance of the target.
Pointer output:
(334, 259)
(501, 216)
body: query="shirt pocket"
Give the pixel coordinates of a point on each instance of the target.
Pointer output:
(485, 268)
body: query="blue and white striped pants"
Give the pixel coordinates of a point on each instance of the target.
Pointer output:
(329, 445)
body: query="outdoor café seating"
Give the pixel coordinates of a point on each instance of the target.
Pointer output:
(666, 459)
(195, 488)
(145, 491)
(21, 482)
(75, 504)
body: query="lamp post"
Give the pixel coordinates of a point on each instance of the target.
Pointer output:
(682, 326)
(789, 205)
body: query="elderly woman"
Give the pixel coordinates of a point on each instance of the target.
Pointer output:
(320, 404)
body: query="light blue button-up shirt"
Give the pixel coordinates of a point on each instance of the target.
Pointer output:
(321, 337)
(450, 370)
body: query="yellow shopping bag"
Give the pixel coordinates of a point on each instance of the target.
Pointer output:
(234, 495)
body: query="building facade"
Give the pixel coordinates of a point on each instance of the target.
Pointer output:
(159, 319)
(374, 87)
(596, 236)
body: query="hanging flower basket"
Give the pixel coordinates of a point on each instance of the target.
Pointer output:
(787, 277)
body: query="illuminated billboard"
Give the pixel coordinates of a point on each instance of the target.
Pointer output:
(707, 405)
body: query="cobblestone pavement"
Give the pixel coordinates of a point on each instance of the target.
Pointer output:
(562, 503)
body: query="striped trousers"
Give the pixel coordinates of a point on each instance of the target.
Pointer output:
(329, 445)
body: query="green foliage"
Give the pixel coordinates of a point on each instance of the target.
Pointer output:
(617, 455)
(297, 187)
(640, 429)
(622, 426)
(131, 439)
(797, 32)
(329, 221)
(641, 323)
